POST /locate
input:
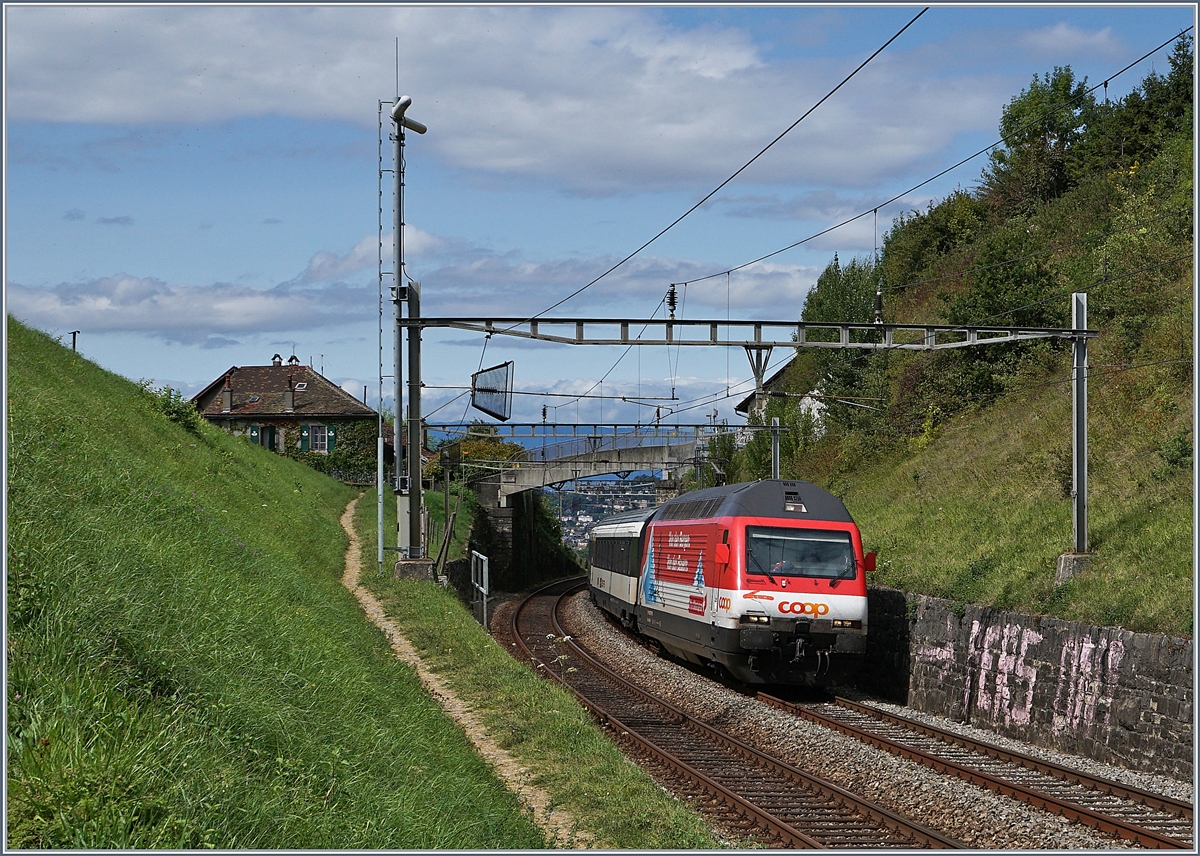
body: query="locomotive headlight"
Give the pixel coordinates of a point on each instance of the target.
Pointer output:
(756, 619)
(853, 625)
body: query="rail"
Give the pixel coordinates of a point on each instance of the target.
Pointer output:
(1042, 784)
(794, 807)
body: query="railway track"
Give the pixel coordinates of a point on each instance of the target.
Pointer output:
(789, 806)
(1148, 819)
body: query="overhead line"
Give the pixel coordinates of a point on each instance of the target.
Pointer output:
(864, 213)
(864, 63)
(572, 395)
(712, 398)
(898, 196)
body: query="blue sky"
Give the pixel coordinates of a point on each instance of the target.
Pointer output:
(195, 187)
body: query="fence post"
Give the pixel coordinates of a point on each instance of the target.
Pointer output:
(479, 580)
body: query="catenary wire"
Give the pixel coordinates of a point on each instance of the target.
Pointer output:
(706, 400)
(985, 150)
(712, 193)
(875, 208)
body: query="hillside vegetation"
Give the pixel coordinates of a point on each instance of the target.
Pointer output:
(958, 469)
(185, 668)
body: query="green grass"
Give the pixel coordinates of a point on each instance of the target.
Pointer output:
(435, 501)
(538, 722)
(184, 667)
(982, 513)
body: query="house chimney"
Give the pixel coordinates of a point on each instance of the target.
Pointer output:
(289, 397)
(277, 360)
(227, 397)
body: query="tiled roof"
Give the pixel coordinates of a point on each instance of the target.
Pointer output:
(258, 391)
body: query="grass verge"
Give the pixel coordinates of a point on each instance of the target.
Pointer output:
(535, 720)
(185, 669)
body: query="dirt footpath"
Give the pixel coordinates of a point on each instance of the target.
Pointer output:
(558, 826)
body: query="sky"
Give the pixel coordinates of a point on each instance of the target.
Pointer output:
(197, 187)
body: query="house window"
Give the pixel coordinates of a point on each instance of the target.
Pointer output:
(318, 438)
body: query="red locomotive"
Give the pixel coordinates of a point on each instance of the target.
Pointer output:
(765, 579)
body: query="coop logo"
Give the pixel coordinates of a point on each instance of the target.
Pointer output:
(724, 603)
(795, 607)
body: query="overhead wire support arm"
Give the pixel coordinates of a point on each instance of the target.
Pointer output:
(755, 336)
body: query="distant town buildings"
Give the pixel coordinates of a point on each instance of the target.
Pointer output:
(581, 511)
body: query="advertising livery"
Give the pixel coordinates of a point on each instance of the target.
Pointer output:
(765, 579)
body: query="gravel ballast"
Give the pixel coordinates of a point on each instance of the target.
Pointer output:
(973, 815)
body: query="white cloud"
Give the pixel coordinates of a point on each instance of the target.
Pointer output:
(465, 280)
(327, 267)
(1065, 39)
(599, 100)
(209, 315)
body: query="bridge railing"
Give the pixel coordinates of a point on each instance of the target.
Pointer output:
(652, 435)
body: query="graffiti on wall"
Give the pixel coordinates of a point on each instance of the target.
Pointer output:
(1087, 676)
(1001, 676)
(940, 657)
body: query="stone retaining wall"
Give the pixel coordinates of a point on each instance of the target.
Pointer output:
(1103, 692)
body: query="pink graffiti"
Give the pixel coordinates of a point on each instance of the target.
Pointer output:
(1087, 672)
(1005, 678)
(941, 656)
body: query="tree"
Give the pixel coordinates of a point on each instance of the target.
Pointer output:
(1134, 129)
(1040, 128)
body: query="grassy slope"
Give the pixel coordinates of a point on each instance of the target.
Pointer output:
(184, 667)
(543, 726)
(979, 516)
(978, 510)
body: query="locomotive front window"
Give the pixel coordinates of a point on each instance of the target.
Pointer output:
(824, 554)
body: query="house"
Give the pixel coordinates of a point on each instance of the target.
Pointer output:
(281, 407)
(756, 403)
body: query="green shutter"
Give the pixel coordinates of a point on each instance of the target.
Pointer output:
(329, 440)
(303, 438)
(254, 434)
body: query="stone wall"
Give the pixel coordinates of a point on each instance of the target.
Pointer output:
(1102, 692)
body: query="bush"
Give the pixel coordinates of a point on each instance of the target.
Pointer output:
(172, 404)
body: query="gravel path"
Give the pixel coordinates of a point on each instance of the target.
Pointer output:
(560, 827)
(977, 817)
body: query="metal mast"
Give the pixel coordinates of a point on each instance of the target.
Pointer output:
(407, 292)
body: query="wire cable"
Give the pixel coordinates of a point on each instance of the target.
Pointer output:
(717, 189)
(898, 196)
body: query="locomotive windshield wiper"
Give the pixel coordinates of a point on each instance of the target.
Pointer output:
(754, 559)
(847, 573)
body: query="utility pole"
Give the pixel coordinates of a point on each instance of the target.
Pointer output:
(774, 447)
(399, 486)
(415, 547)
(410, 293)
(1079, 470)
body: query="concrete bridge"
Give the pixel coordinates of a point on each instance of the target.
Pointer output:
(594, 456)
(665, 448)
